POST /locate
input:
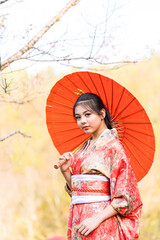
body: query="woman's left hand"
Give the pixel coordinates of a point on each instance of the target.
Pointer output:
(88, 225)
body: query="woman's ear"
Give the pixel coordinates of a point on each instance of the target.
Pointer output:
(103, 113)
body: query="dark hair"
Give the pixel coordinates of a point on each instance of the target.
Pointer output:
(95, 103)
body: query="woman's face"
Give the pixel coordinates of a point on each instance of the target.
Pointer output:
(88, 120)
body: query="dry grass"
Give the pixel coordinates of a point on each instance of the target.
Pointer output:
(32, 205)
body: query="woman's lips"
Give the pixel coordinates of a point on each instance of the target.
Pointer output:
(86, 128)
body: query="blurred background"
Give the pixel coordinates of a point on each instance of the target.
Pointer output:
(40, 42)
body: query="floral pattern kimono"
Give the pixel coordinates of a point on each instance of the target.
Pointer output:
(106, 158)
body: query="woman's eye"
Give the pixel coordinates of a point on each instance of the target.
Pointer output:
(88, 114)
(77, 117)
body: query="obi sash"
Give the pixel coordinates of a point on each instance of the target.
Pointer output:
(90, 188)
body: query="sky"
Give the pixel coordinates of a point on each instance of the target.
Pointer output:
(133, 31)
(142, 24)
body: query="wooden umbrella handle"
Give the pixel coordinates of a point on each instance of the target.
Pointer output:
(59, 164)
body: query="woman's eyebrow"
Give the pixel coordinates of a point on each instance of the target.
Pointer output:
(83, 112)
(86, 111)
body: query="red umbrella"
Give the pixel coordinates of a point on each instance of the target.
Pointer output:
(128, 117)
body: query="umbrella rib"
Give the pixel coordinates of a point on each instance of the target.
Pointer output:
(104, 90)
(59, 122)
(55, 93)
(93, 84)
(64, 130)
(61, 104)
(70, 139)
(120, 133)
(144, 153)
(49, 110)
(146, 134)
(134, 156)
(131, 114)
(79, 146)
(72, 82)
(140, 141)
(84, 82)
(135, 122)
(112, 98)
(119, 101)
(133, 99)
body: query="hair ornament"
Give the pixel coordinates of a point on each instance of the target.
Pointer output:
(80, 92)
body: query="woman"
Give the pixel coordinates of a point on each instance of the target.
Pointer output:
(105, 199)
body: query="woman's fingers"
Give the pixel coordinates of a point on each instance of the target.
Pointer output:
(64, 161)
(82, 229)
(87, 232)
(61, 158)
(66, 156)
(88, 225)
(71, 154)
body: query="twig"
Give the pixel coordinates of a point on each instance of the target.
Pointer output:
(1, 2)
(80, 58)
(13, 133)
(22, 102)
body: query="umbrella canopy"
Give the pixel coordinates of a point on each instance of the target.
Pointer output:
(128, 117)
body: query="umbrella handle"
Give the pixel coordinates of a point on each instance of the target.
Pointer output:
(58, 165)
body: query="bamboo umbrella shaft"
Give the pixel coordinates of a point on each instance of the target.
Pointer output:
(58, 165)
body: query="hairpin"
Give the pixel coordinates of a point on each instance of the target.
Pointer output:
(80, 92)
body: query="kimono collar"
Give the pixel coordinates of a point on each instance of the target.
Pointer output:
(106, 136)
(109, 133)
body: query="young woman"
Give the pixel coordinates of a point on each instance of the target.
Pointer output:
(105, 199)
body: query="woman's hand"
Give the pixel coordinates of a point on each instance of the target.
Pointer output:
(88, 225)
(67, 158)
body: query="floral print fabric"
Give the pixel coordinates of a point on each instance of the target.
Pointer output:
(107, 157)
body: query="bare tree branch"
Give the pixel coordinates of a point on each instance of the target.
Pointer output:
(35, 39)
(22, 102)
(1, 2)
(65, 59)
(5, 85)
(13, 133)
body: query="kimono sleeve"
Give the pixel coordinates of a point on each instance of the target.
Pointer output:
(125, 197)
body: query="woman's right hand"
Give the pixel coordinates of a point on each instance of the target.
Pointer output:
(67, 158)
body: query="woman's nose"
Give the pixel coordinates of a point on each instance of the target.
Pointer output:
(83, 119)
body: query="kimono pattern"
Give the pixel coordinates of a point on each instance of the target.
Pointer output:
(107, 157)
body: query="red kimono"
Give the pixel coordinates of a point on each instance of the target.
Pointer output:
(116, 185)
